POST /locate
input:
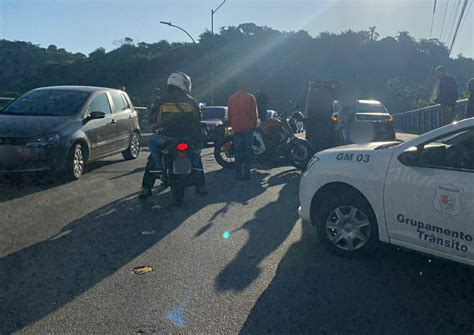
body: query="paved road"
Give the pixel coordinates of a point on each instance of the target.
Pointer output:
(67, 251)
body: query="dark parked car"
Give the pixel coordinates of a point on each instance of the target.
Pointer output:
(5, 101)
(212, 117)
(64, 127)
(371, 121)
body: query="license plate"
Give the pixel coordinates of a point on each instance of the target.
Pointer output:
(182, 165)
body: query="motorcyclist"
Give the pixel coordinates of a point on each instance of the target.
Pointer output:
(177, 115)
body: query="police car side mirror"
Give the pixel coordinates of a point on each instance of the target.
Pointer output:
(410, 157)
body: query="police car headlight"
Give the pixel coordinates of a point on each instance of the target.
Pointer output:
(313, 161)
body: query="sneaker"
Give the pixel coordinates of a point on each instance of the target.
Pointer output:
(158, 169)
(144, 193)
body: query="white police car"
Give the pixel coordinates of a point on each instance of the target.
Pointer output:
(418, 194)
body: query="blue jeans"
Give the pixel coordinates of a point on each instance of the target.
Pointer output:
(243, 153)
(154, 144)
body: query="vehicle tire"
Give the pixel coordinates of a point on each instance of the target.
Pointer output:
(75, 162)
(300, 153)
(133, 149)
(177, 190)
(224, 152)
(346, 225)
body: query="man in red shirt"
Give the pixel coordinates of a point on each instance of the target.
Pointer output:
(243, 114)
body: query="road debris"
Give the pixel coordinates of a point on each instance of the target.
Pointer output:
(142, 270)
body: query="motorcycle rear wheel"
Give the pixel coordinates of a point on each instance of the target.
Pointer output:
(177, 189)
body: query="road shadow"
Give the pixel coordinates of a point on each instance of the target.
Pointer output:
(267, 231)
(395, 292)
(18, 185)
(40, 279)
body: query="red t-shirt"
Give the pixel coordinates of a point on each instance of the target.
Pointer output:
(243, 112)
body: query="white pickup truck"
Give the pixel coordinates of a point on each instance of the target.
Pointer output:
(417, 194)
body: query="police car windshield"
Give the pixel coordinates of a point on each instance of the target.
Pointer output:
(456, 138)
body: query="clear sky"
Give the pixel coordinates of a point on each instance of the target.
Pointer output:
(84, 25)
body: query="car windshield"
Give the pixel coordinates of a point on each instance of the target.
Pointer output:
(212, 113)
(47, 103)
(455, 138)
(371, 108)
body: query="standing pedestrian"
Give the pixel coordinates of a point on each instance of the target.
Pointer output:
(446, 96)
(243, 114)
(345, 118)
(470, 101)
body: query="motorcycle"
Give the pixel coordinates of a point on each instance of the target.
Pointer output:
(273, 139)
(177, 163)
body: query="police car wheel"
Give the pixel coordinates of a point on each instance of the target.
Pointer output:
(347, 226)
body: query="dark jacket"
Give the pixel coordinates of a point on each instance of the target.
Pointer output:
(177, 115)
(447, 92)
(262, 105)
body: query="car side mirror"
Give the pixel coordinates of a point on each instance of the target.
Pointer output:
(410, 157)
(96, 115)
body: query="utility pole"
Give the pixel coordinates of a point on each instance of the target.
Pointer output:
(213, 11)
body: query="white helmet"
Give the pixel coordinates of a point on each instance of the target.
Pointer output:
(180, 80)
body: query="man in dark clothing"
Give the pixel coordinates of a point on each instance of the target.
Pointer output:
(177, 115)
(470, 101)
(262, 105)
(446, 96)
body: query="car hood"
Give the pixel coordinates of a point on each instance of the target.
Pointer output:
(364, 147)
(215, 122)
(28, 126)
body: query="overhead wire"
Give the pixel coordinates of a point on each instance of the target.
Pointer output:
(466, 15)
(449, 37)
(448, 23)
(444, 19)
(432, 19)
(458, 24)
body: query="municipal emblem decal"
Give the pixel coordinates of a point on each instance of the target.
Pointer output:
(447, 200)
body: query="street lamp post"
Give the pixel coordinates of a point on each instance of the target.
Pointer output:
(213, 11)
(192, 39)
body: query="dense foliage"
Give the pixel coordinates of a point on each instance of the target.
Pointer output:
(397, 70)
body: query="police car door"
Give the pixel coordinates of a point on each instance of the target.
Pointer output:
(429, 196)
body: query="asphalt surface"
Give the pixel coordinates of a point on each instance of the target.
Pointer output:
(67, 251)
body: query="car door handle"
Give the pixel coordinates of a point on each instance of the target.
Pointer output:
(114, 121)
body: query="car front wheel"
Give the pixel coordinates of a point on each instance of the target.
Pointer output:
(347, 226)
(75, 162)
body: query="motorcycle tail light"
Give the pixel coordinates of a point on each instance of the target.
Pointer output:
(182, 147)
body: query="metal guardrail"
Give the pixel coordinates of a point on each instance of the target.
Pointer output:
(420, 121)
